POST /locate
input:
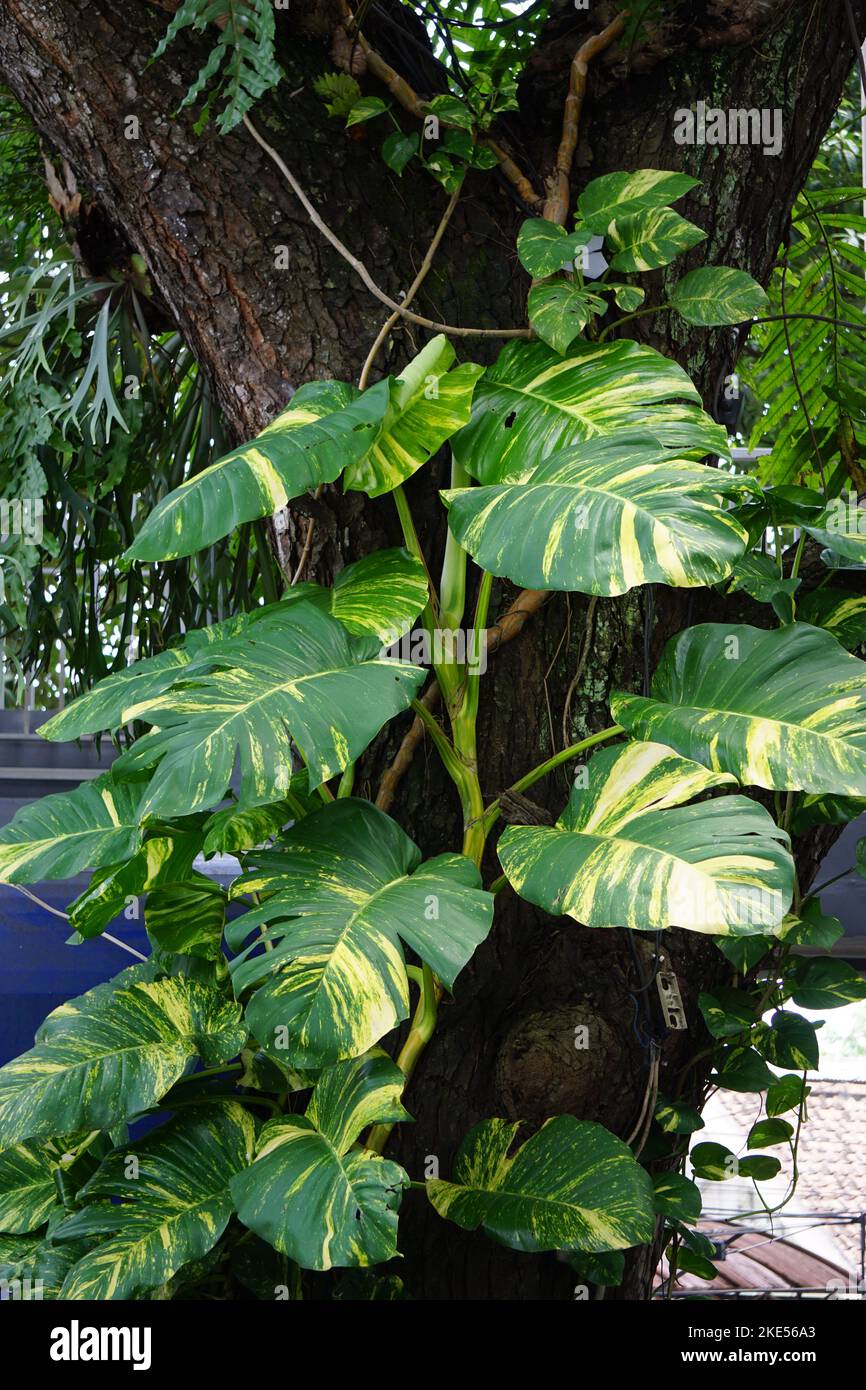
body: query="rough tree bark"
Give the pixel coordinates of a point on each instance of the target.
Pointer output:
(208, 214)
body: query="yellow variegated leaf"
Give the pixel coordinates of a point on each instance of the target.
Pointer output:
(27, 1187)
(112, 1052)
(572, 1186)
(326, 427)
(161, 1202)
(429, 403)
(784, 709)
(60, 836)
(340, 891)
(603, 517)
(533, 402)
(311, 1192)
(293, 679)
(628, 852)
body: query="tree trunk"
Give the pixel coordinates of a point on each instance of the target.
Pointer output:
(209, 215)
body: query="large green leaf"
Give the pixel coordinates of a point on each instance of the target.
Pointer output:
(102, 706)
(162, 859)
(840, 611)
(651, 239)
(27, 1188)
(187, 918)
(572, 1186)
(624, 194)
(380, 595)
(533, 402)
(376, 596)
(841, 527)
(62, 835)
(231, 830)
(784, 709)
(315, 1195)
(716, 295)
(169, 1206)
(627, 851)
(295, 677)
(428, 403)
(603, 517)
(327, 428)
(113, 1052)
(343, 887)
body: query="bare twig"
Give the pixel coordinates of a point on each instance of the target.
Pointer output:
(413, 288)
(361, 269)
(557, 202)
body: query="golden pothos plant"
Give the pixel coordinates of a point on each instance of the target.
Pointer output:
(263, 1037)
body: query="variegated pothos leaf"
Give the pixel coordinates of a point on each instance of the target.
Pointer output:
(112, 1052)
(340, 891)
(311, 1192)
(428, 403)
(533, 402)
(293, 678)
(326, 427)
(59, 836)
(603, 517)
(627, 851)
(784, 709)
(167, 1207)
(571, 1186)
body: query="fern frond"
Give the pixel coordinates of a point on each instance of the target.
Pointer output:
(243, 58)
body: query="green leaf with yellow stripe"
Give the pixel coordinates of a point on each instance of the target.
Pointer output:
(560, 309)
(340, 891)
(650, 239)
(62, 835)
(312, 1192)
(160, 1202)
(784, 709)
(627, 850)
(295, 679)
(187, 918)
(841, 612)
(376, 596)
(27, 1188)
(162, 859)
(533, 402)
(428, 403)
(625, 194)
(603, 517)
(571, 1186)
(113, 1052)
(327, 427)
(380, 595)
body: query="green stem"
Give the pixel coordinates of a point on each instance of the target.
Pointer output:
(347, 782)
(413, 545)
(798, 555)
(452, 584)
(627, 318)
(211, 1071)
(492, 812)
(423, 1026)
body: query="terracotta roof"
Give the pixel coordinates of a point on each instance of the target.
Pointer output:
(831, 1156)
(753, 1260)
